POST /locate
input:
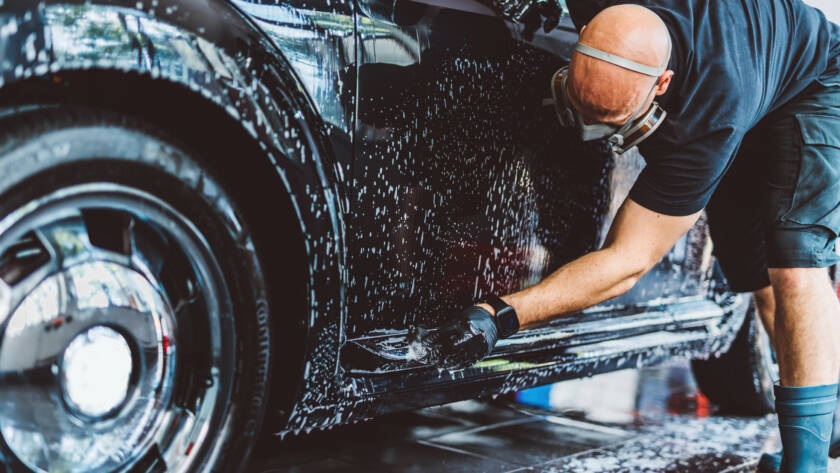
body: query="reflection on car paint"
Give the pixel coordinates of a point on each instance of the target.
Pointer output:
(320, 46)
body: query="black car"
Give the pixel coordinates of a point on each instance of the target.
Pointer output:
(220, 218)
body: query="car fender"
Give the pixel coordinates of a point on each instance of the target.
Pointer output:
(213, 49)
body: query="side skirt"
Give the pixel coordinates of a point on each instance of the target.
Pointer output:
(586, 344)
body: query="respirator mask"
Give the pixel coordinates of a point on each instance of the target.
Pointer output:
(621, 138)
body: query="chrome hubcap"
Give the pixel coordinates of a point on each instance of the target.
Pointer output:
(97, 284)
(95, 371)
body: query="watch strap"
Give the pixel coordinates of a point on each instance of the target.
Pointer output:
(507, 322)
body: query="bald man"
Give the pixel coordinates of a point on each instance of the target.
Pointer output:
(752, 134)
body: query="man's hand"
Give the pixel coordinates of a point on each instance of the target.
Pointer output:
(458, 343)
(531, 13)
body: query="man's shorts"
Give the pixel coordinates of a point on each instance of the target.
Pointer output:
(778, 206)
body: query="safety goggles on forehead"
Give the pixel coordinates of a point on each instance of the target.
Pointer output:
(622, 137)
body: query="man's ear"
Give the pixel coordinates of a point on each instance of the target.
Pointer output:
(581, 29)
(664, 81)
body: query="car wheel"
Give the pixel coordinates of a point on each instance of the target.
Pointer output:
(740, 380)
(133, 318)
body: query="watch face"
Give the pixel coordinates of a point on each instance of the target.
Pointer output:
(507, 321)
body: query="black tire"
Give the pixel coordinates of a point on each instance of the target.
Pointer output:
(53, 148)
(740, 381)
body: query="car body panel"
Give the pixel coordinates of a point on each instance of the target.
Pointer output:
(425, 173)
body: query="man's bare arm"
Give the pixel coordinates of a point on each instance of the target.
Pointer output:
(637, 240)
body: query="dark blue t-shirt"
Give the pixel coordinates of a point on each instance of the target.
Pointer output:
(734, 62)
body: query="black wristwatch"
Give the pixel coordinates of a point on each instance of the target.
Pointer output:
(506, 319)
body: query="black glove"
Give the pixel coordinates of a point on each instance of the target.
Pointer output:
(458, 343)
(533, 14)
(545, 14)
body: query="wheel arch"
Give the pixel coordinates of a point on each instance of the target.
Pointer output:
(204, 73)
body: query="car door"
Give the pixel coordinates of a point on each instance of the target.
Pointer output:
(463, 182)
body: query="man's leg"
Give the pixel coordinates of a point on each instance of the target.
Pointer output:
(807, 324)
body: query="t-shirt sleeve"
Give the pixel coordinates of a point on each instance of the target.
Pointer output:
(679, 179)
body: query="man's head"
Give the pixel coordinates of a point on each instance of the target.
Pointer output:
(603, 92)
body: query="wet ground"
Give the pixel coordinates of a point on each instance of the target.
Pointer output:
(648, 420)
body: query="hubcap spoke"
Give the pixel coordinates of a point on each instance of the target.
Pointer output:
(21, 278)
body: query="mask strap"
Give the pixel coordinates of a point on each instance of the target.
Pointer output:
(620, 61)
(627, 63)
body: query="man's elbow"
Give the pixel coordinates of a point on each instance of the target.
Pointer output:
(627, 284)
(633, 274)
